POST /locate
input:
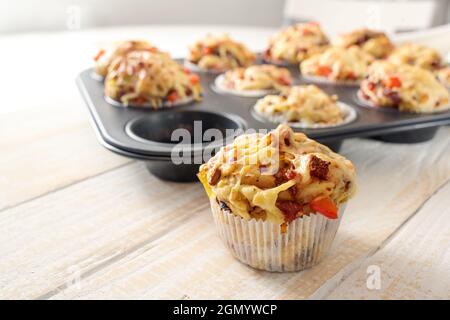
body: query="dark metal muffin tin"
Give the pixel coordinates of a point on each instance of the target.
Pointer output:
(145, 133)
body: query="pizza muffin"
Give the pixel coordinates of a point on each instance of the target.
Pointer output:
(375, 43)
(282, 194)
(219, 53)
(254, 80)
(105, 57)
(417, 55)
(296, 43)
(150, 79)
(443, 76)
(306, 105)
(404, 87)
(338, 64)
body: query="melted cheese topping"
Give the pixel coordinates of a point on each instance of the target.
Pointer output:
(220, 53)
(373, 42)
(338, 64)
(249, 175)
(258, 77)
(301, 103)
(416, 55)
(153, 79)
(296, 43)
(405, 87)
(119, 50)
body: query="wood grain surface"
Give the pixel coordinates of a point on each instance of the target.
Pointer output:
(77, 221)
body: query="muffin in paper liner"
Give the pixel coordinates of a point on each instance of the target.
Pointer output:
(266, 246)
(277, 198)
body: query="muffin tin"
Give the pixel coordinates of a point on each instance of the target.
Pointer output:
(146, 134)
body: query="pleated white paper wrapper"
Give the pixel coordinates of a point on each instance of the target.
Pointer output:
(262, 245)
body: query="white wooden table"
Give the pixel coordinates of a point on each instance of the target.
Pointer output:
(77, 221)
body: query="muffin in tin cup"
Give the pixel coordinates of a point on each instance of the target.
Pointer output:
(374, 42)
(277, 199)
(295, 43)
(337, 65)
(253, 81)
(105, 57)
(304, 106)
(218, 53)
(403, 87)
(416, 55)
(154, 80)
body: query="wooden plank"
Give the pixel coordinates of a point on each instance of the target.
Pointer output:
(53, 154)
(45, 136)
(132, 235)
(414, 264)
(88, 225)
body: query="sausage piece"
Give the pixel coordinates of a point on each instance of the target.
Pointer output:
(318, 168)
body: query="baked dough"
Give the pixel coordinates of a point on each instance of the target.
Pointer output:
(105, 57)
(375, 43)
(150, 79)
(405, 87)
(220, 53)
(338, 64)
(276, 176)
(296, 43)
(307, 104)
(417, 55)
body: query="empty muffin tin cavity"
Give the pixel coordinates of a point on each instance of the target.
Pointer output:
(190, 128)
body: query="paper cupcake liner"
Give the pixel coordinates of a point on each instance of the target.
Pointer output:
(165, 104)
(323, 80)
(279, 63)
(195, 68)
(219, 87)
(368, 104)
(262, 245)
(350, 116)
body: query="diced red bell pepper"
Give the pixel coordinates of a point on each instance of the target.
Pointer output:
(285, 80)
(323, 71)
(207, 50)
(194, 79)
(393, 82)
(99, 54)
(173, 97)
(324, 206)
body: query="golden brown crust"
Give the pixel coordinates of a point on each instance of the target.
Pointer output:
(258, 77)
(150, 79)
(338, 64)
(220, 53)
(308, 104)
(276, 176)
(118, 50)
(375, 43)
(405, 87)
(296, 43)
(416, 55)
